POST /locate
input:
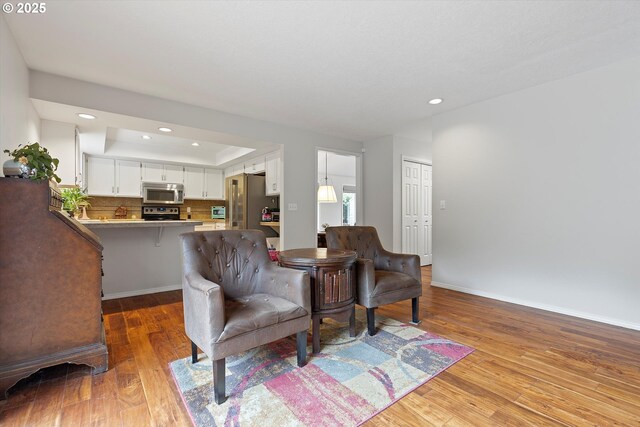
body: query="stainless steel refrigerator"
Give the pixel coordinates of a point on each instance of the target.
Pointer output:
(245, 200)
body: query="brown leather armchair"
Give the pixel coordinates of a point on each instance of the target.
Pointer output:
(236, 298)
(382, 277)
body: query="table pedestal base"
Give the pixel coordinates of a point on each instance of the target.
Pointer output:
(341, 316)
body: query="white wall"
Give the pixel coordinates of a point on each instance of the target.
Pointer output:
(377, 175)
(542, 189)
(299, 153)
(19, 121)
(60, 140)
(331, 213)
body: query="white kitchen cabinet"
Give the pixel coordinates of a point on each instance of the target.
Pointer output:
(213, 184)
(238, 169)
(158, 172)
(152, 172)
(201, 183)
(273, 179)
(251, 166)
(128, 178)
(174, 173)
(256, 165)
(109, 177)
(100, 176)
(193, 183)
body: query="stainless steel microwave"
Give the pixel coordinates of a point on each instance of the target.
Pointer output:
(162, 193)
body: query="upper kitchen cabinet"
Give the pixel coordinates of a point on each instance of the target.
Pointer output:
(193, 183)
(251, 166)
(128, 178)
(273, 178)
(158, 172)
(109, 177)
(202, 183)
(255, 166)
(213, 184)
(234, 170)
(101, 176)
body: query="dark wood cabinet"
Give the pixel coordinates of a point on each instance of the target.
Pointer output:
(50, 285)
(332, 284)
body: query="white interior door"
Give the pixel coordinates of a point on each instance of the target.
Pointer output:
(416, 210)
(424, 249)
(410, 207)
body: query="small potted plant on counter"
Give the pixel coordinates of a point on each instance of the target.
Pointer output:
(74, 200)
(31, 161)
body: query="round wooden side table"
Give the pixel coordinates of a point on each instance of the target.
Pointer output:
(333, 294)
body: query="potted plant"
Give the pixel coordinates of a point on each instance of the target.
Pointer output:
(34, 162)
(74, 199)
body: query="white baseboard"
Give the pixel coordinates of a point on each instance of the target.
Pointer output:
(141, 292)
(552, 308)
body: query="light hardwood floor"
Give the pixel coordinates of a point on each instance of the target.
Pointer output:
(530, 367)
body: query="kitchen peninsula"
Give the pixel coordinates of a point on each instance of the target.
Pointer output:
(140, 257)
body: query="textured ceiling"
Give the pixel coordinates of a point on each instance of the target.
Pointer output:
(351, 69)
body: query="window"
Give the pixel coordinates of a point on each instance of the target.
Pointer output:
(348, 205)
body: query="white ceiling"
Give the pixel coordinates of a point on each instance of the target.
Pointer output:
(352, 69)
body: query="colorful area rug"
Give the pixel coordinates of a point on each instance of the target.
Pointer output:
(350, 381)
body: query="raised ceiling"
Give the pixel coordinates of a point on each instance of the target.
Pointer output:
(118, 135)
(352, 69)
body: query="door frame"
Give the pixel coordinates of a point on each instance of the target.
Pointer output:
(404, 158)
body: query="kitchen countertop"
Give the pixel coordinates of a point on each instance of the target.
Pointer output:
(137, 223)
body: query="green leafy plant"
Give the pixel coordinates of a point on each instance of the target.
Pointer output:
(38, 160)
(74, 199)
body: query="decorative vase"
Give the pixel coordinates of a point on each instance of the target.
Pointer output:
(84, 213)
(14, 169)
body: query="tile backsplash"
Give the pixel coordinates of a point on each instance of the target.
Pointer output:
(105, 207)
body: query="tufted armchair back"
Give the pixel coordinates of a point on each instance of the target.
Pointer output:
(237, 260)
(362, 239)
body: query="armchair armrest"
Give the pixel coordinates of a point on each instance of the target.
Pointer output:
(365, 279)
(203, 310)
(287, 283)
(402, 263)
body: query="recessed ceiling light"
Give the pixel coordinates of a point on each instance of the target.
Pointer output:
(146, 137)
(165, 129)
(435, 101)
(86, 116)
(195, 144)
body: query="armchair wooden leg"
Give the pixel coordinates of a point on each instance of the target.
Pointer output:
(301, 347)
(218, 382)
(371, 321)
(415, 310)
(194, 352)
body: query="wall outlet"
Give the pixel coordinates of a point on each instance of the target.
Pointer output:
(293, 206)
(443, 204)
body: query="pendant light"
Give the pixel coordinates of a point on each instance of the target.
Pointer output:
(326, 192)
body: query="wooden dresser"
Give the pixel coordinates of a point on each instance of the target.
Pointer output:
(50, 285)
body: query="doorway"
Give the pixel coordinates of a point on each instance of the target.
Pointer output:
(416, 209)
(342, 171)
